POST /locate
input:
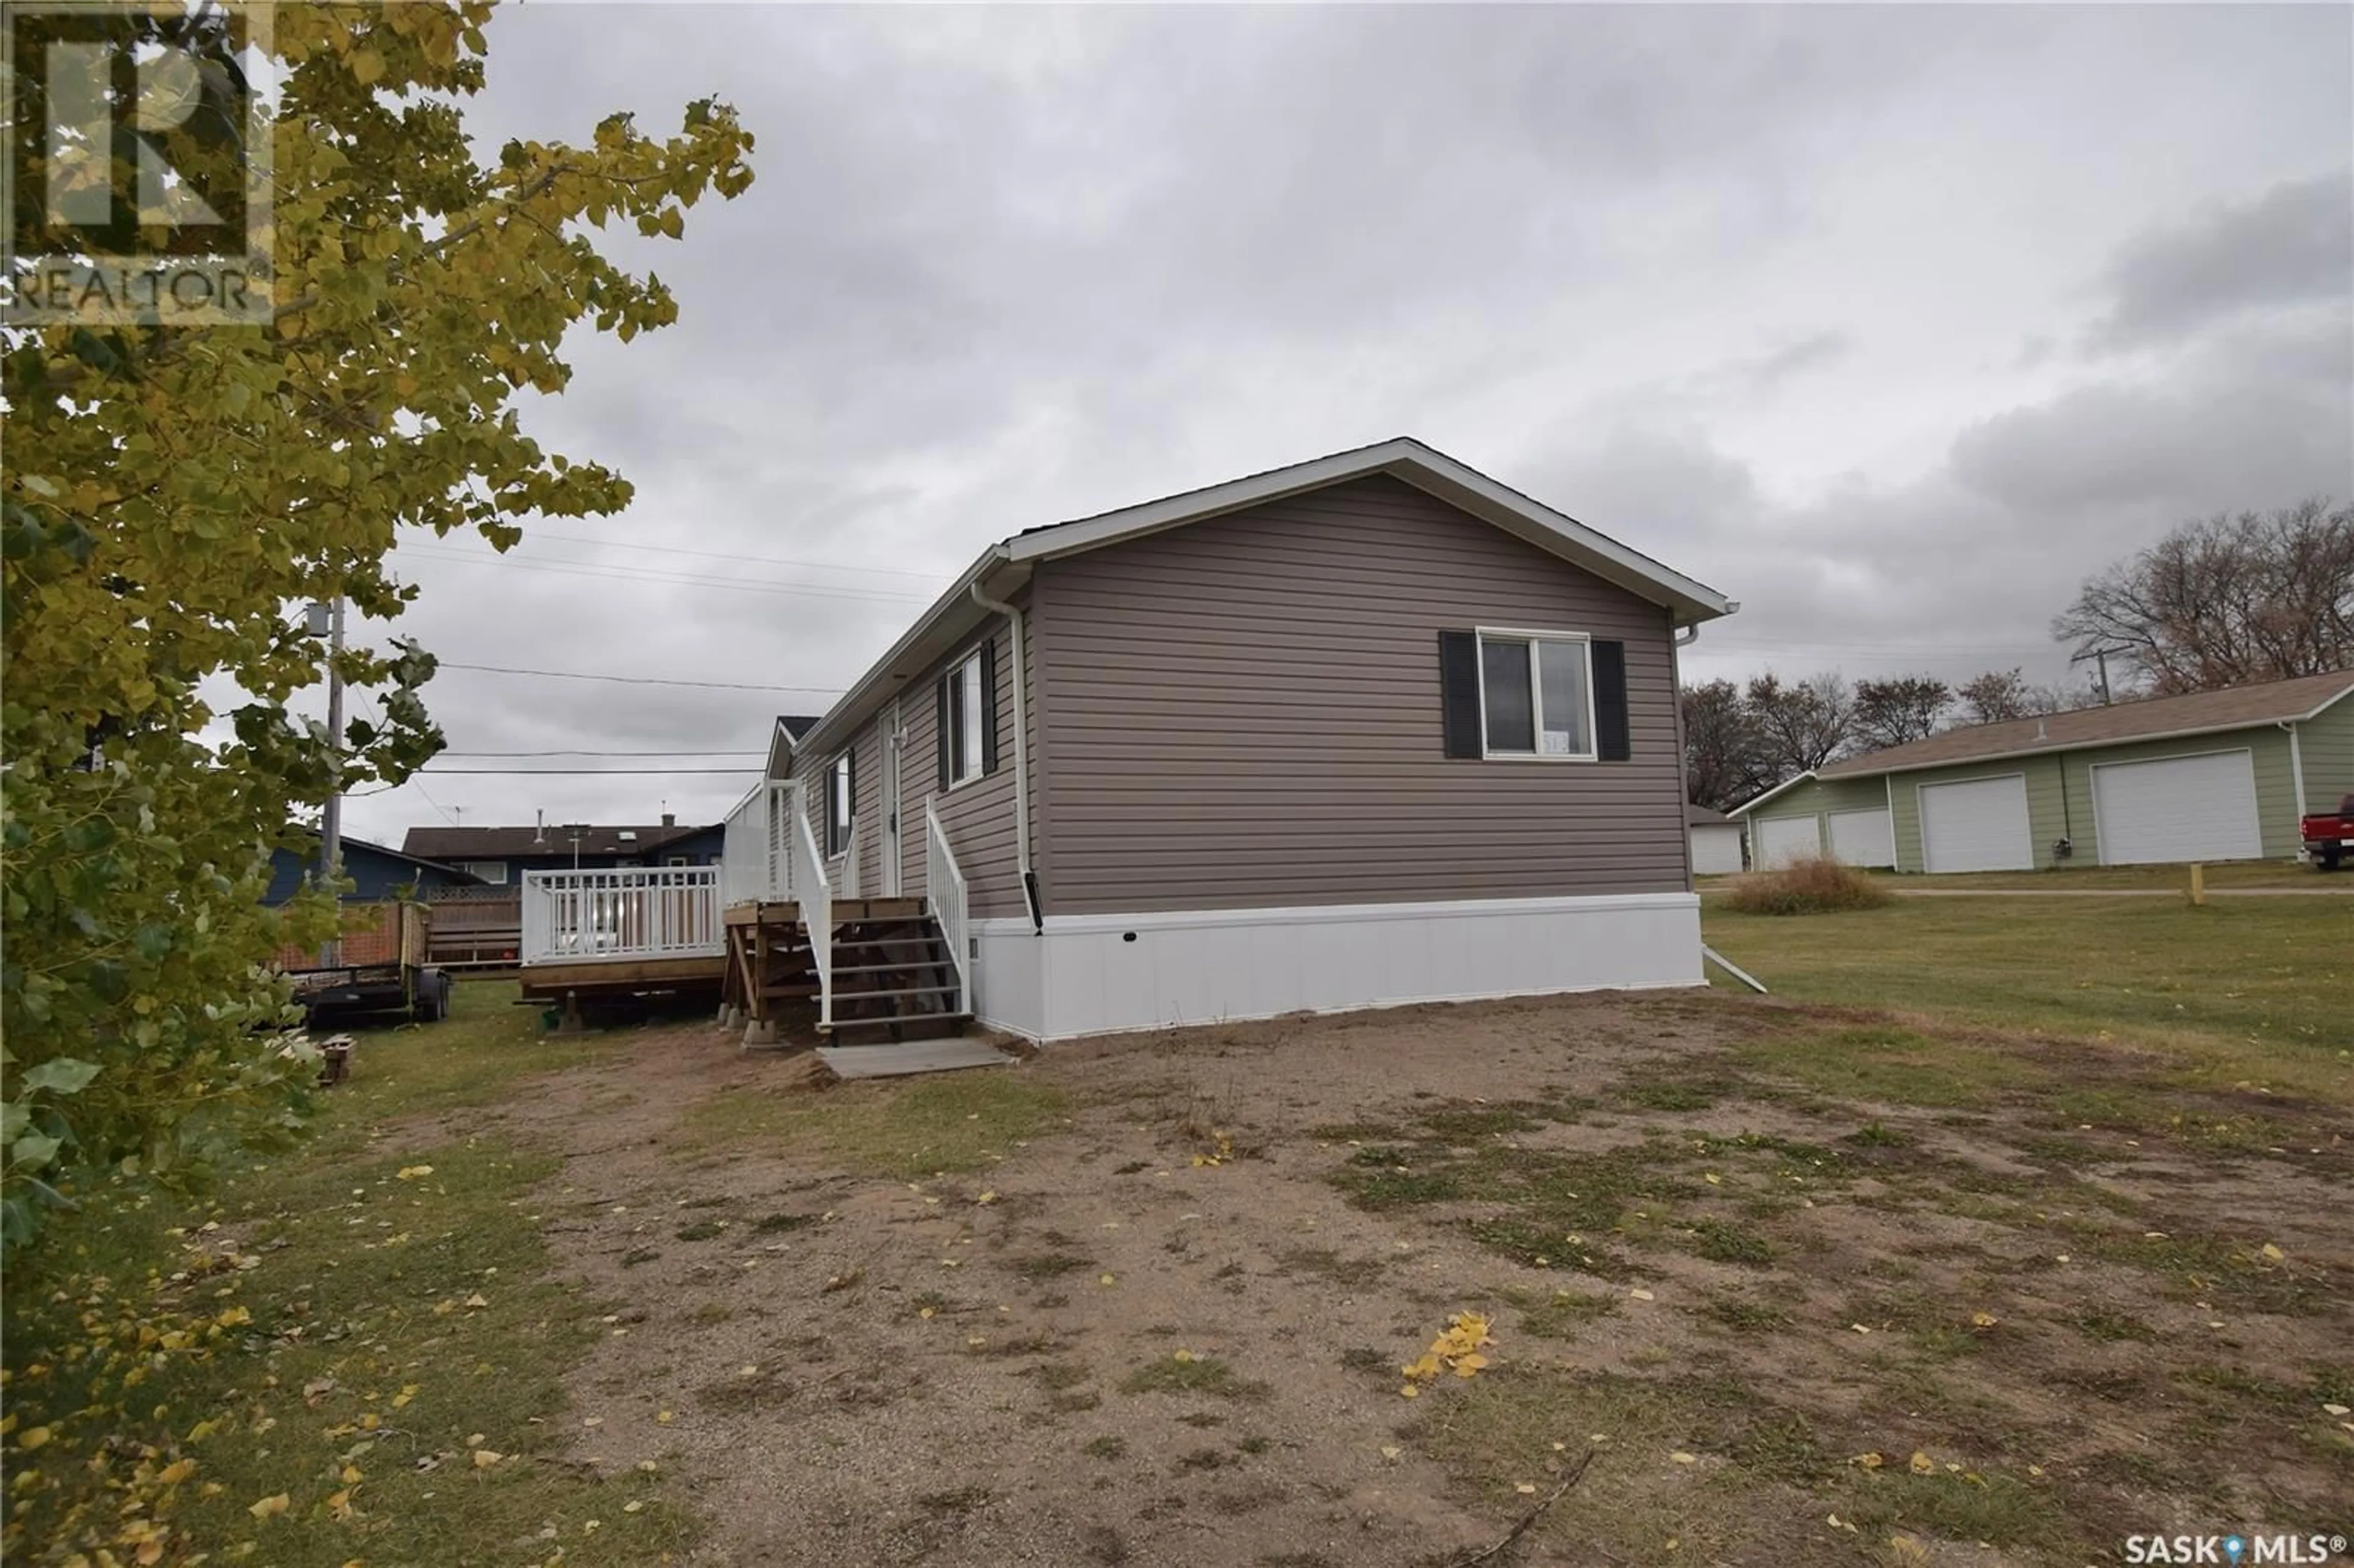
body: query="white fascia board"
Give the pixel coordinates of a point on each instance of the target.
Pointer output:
(2054, 749)
(1750, 805)
(1427, 469)
(950, 618)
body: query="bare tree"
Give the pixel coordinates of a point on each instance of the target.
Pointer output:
(2260, 597)
(1901, 708)
(1720, 762)
(1801, 725)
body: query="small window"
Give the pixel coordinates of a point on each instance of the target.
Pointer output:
(964, 722)
(967, 702)
(678, 859)
(1537, 697)
(492, 872)
(839, 805)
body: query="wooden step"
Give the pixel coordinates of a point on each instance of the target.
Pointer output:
(839, 995)
(877, 909)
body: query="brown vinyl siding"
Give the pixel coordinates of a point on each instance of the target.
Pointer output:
(1246, 712)
(979, 815)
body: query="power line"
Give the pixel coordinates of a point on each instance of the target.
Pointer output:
(732, 556)
(580, 772)
(675, 580)
(584, 751)
(639, 680)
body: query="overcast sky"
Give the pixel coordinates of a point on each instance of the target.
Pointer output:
(1892, 324)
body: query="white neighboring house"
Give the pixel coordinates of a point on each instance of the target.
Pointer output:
(1715, 842)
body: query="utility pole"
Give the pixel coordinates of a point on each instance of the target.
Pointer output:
(331, 816)
(2101, 658)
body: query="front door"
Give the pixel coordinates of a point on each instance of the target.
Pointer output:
(894, 741)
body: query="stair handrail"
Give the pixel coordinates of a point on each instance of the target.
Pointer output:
(853, 886)
(815, 896)
(944, 896)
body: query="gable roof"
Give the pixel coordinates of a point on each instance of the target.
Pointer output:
(788, 733)
(1004, 568)
(2149, 718)
(503, 843)
(348, 844)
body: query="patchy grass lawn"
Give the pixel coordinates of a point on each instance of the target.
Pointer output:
(318, 1366)
(2248, 990)
(2002, 1230)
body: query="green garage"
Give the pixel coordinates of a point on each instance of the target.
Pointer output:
(2212, 775)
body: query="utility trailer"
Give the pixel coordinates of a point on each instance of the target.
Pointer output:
(381, 968)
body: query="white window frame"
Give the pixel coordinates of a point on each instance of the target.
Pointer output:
(842, 773)
(972, 706)
(670, 859)
(480, 870)
(1593, 752)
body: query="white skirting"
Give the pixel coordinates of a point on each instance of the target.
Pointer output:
(1099, 974)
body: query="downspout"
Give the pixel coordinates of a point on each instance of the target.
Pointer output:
(1021, 753)
(1683, 780)
(2296, 776)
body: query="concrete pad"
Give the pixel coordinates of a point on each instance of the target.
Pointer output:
(914, 1056)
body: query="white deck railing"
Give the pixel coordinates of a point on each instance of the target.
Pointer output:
(755, 857)
(816, 899)
(944, 894)
(627, 912)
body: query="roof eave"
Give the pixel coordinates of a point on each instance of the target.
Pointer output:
(2013, 753)
(935, 632)
(1756, 801)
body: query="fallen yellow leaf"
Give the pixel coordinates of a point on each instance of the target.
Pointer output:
(1983, 1319)
(178, 1470)
(484, 1458)
(270, 1508)
(411, 1173)
(1681, 1457)
(1922, 1464)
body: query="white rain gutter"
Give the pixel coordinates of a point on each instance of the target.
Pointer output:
(1021, 751)
(2296, 766)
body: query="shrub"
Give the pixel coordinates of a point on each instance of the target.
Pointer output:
(1807, 887)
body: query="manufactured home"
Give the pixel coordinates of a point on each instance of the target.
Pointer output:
(1368, 730)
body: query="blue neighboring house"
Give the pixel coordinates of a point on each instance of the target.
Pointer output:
(500, 856)
(380, 872)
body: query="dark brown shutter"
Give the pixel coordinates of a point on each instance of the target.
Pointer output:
(989, 707)
(832, 806)
(945, 735)
(1610, 701)
(1458, 692)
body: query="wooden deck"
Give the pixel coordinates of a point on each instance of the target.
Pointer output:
(607, 976)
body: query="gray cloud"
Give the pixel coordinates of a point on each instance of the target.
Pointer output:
(1738, 285)
(2291, 245)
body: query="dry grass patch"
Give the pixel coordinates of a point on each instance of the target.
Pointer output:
(1818, 887)
(918, 1127)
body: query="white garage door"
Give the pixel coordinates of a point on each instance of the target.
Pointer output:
(1863, 838)
(1781, 840)
(1715, 850)
(1977, 826)
(2185, 808)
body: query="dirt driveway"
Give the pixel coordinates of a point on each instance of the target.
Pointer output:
(1812, 1289)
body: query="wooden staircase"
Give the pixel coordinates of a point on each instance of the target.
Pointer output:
(894, 977)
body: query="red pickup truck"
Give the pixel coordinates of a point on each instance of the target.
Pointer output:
(2329, 836)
